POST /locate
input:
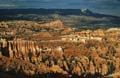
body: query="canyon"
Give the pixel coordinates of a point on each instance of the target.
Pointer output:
(92, 58)
(53, 49)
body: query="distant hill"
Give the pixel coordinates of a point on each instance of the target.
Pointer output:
(71, 17)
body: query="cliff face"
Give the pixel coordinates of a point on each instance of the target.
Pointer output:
(18, 48)
(56, 61)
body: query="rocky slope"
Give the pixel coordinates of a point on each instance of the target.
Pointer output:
(30, 58)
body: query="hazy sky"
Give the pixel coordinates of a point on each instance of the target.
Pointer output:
(103, 6)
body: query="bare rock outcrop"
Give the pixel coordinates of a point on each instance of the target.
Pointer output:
(19, 49)
(58, 61)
